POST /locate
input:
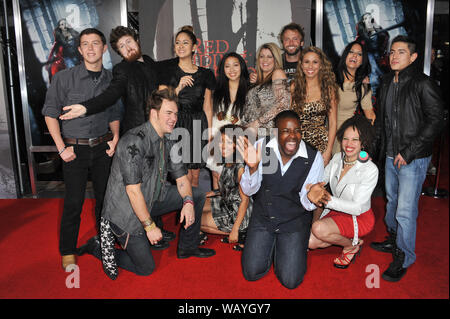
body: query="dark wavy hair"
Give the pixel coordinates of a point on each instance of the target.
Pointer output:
(361, 73)
(221, 95)
(119, 32)
(365, 130)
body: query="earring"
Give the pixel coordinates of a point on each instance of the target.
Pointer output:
(363, 156)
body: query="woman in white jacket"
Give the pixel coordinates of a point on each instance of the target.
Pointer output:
(352, 177)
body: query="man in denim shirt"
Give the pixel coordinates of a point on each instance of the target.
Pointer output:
(84, 144)
(137, 192)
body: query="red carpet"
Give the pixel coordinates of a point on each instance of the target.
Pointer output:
(30, 265)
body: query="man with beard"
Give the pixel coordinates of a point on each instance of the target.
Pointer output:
(292, 39)
(283, 201)
(134, 79)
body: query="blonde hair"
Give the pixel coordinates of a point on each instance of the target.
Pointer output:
(327, 81)
(278, 62)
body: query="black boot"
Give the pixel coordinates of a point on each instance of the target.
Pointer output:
(395, 272)
(90, 247)
(386, 246)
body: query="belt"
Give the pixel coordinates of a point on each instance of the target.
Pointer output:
(89, 141)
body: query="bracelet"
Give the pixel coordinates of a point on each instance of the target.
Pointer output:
(147, 222)
(188, 198)
(150, 227)
(62, 150)
(187, 201)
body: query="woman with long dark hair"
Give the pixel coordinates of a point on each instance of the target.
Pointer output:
(355, 95)
(228, 99)
(194, 86)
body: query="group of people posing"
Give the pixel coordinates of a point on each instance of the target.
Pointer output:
(289, 148)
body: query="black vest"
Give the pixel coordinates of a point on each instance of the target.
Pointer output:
(277, 203)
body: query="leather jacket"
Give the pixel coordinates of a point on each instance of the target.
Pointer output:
(417, 114)
(131, 83)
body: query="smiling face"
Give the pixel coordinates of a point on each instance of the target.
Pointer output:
(292, 42)
(289, 137)
(129, 48)
(311, 65)
(351, 144)
(354, 58)
(227, 147)
(232, 68)
(91, 49)
(266, 61)
(165, 119)
(184, 46)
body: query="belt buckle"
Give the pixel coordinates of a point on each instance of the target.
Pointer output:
(92, 142)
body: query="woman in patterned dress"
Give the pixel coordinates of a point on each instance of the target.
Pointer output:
(315, 97)
(228, 100)
(271, 94)
(194, 86)
(227, 212)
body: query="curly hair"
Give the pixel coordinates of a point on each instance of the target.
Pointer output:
(365, 130)
(327, 81)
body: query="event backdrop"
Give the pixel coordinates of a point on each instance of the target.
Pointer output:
(50, 29)
(376, 23)
(221, 26)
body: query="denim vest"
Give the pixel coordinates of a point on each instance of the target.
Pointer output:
(277, 203)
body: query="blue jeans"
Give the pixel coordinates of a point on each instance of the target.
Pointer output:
(288, 251)
(403, 190)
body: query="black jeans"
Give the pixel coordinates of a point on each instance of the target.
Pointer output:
(95, 160)
(288, 251)
(136, 255)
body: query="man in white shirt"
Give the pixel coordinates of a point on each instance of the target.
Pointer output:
(281, 219)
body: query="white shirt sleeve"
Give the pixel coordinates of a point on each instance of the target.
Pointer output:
(315, 175)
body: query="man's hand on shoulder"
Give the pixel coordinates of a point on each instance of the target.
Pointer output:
(74, 111)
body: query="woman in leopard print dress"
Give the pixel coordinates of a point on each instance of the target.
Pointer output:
(314, 97)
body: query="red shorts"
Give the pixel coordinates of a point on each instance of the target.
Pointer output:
(344, 222)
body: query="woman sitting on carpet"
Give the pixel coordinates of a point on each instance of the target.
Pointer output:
(227, 211)
(352, 177)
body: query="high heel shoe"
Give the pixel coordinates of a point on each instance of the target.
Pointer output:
(344, 259)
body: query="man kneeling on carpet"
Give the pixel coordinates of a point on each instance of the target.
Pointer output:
(281, 218)
(352, 177)
(137, 192)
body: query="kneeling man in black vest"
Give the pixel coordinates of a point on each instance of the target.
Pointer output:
(278, 174)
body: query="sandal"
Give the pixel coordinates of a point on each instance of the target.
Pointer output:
(344, 259)
(202, 238)
(238, 247)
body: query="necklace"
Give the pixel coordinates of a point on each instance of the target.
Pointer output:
(350, 163)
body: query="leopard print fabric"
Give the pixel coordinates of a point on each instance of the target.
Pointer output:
(313, 118)
(107, 245)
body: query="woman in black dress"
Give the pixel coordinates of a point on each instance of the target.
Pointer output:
(194, 86)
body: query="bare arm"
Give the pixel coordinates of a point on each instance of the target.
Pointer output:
(67, 154)
(114, 127)
(187, 212)
(139, 206)
(242, 210)
(332, 128)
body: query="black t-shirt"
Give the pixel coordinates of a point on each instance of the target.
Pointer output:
(289, 68)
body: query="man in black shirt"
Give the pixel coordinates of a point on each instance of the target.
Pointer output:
(292, 39)
(84, 144)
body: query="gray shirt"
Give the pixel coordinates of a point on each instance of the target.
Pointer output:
(75, 85)
(137, 161)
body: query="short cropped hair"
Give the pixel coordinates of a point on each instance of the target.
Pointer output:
(156, 98)
(287, 114)
(119, 32)
(93, 31)
(412, 45)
